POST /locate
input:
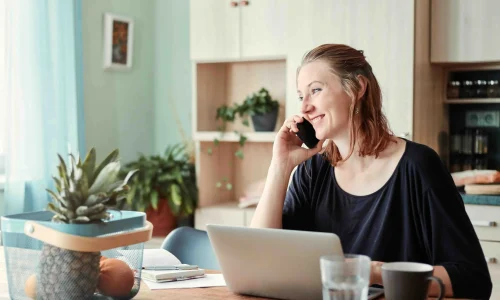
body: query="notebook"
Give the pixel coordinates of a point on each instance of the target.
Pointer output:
(171, 275)
(159, 265)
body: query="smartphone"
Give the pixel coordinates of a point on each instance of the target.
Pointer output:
(307, 133)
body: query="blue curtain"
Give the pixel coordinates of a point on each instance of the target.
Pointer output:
(44, 97)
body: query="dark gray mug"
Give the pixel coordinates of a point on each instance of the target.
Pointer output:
(408, 280)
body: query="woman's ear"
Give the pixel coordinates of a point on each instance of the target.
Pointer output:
(363, 82)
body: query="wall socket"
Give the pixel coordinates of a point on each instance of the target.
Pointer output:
(482, 119)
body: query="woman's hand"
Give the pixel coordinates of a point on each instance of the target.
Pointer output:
(376, 272)
(287, 148)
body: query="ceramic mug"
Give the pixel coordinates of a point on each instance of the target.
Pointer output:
(408, 280)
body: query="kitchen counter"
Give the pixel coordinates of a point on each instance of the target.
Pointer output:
(481, 199)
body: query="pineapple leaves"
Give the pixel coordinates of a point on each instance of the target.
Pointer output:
(89, 166)
(62, 202)
(88, 211)
(107, 176)
(63, 171)
(83, 196)
(112, 157)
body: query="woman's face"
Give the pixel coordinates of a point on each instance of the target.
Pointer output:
(324, 102)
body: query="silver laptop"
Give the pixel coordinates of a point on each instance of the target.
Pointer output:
(273, 263)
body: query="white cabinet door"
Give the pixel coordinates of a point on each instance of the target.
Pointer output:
(214, 30)
(465, 31)
(382, 29)
(263, 28)
(310, 24)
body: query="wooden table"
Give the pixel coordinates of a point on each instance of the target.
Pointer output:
(146, 294)
(194, 293)
(199, 293)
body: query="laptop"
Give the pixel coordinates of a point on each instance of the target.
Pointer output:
(274, 263)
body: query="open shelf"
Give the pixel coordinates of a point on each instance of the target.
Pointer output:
(209, 136)
(240, 173)
(472, 101)
(227, 83)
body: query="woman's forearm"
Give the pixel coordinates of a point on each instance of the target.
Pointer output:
(441, 273)
(270, 208)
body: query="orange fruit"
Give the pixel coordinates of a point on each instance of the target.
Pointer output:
(116, 278)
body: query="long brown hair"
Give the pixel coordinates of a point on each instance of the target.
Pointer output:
(367, 122)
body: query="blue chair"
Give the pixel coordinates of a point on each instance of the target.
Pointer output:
(191, 246)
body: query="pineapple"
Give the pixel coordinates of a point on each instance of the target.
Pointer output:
(84, 193)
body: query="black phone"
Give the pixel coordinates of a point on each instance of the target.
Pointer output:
(307, 134)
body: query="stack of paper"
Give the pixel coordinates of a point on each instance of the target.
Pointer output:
(162, 270)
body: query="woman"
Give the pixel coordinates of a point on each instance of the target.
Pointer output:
(385, 197)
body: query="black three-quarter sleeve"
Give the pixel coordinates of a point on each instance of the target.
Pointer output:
(450, 237)
(297, 214)
(455, 246)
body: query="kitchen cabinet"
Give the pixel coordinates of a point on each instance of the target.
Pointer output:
(223, 214)
(223, 30)
(465, 31)
(486, 222)
(384, 30)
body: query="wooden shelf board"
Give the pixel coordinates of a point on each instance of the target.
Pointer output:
(209, 136)
(472, 101)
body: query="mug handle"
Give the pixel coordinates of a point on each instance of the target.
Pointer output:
(441, 286)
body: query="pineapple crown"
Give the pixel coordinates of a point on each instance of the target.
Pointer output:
(84, 192)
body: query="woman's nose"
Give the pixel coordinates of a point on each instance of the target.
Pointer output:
(305, 107)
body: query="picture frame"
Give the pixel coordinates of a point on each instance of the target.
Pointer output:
(118, 42)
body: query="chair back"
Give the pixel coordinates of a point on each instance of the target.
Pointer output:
(191, 246)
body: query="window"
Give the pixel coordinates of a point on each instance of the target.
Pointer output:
(3, 85)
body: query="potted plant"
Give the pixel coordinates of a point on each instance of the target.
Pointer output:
(262, 108)
(264, 112)
(164, 186)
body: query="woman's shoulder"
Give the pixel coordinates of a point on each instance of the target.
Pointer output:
(423, 162)
(421, 154)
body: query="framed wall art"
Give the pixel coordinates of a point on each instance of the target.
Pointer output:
(118, 42)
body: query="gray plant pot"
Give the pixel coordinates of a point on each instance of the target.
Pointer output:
(265, 122)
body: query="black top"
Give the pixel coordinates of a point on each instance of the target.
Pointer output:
(418, 216)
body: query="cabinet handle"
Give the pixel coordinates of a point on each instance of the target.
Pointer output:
(484, 223)
(234, 3)
(244, 3)
(491, 260)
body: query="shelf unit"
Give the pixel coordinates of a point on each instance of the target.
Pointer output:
(472, 101)
(227, 82)
(209, 136)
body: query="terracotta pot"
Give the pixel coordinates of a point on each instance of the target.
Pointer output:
(162, 219)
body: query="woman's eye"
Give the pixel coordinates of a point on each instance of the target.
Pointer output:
(314, 91)
(301, 98)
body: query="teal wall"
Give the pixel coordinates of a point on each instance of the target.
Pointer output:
(172, 73)
(134, 110)
(119, 106)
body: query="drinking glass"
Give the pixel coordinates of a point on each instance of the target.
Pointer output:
(345, 277)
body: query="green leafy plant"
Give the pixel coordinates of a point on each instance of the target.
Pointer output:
(254, 104)
(170, 176)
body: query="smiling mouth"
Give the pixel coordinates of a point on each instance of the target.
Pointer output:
(317, 119)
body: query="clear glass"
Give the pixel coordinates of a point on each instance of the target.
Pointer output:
(345, 277)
